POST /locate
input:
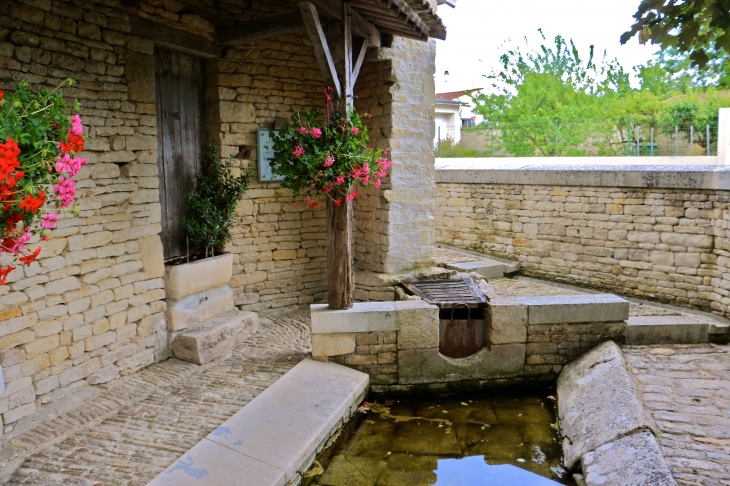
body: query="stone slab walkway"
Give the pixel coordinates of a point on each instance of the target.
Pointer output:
(139, 425)
(686, 388)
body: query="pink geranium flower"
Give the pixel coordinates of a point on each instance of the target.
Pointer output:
(329, 161)
(49, 220)
(298, 151)
(316, 132)
(355, 130)
(302, 130)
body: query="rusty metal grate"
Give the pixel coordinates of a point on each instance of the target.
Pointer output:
(447, 294)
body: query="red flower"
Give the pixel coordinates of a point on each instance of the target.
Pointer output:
(4, 274)
(2, 95)
(28, 259)
(338, 202)
(33, 204)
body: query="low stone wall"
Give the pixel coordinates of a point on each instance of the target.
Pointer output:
(397, 343)
(653, 232)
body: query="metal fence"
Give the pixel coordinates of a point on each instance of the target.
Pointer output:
(601, 138)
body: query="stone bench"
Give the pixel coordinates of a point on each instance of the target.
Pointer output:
(275, 438)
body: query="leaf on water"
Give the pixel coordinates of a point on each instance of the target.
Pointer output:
(551, 397)
(444, 411)
(520, 460)
(465, 404)
(388, 453)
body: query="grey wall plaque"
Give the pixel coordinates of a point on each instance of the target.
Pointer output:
(265, 154)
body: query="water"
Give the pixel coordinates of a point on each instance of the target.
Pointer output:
(460, 440)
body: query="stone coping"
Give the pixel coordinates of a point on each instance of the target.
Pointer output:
(486, 171)
(361, 317)
(567, 309)
(274, 438)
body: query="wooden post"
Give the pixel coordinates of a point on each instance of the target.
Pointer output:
(334, 55)
(340, 274)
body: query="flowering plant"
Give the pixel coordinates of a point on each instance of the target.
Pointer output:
(327, 156)
(39, 143)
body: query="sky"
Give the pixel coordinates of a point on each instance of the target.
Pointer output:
(477, 29)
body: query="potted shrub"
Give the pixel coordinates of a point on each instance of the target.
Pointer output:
(210, 213)
(39, 146)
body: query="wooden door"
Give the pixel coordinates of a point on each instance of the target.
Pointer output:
(179, 86)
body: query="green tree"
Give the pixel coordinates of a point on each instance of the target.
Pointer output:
(698, 28)
(552, 101)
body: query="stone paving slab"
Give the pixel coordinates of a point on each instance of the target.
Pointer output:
(634, 460)
(149, 419)
(686, 389)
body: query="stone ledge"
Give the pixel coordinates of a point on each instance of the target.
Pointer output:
(597, 402)
(361, 317)
(565, 309)
(667, 330)
(591, 174)
(277, 434)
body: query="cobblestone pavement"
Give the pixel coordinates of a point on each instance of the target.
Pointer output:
(686, 388)
(140, 424)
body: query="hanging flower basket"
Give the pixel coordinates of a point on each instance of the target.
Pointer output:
(327, 156)
(39, 146)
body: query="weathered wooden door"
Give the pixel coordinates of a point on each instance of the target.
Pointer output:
(179, 85)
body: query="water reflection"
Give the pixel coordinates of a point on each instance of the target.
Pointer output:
(473, 471)
(489, 440)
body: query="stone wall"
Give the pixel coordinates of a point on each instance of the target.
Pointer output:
(526, 338)
(93, 306)
(394, 228)
(665, 244)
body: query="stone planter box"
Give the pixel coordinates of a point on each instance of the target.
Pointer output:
(199, 276)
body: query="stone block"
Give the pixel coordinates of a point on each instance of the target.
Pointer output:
(681, 329)
(427, 365)
(190, 278)
(150, 249)
(417, 323)
(16, 414)
(215, 337)
(333, 344)
(108, 373)
(507, 322)
(565, 309)
(362, 317)
(196, 308)
(597, 402)
(635, 459)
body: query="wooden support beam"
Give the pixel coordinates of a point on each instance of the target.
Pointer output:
(173, 39)
(286, 24)
(332, 10)
(321, 47)
(361, 50)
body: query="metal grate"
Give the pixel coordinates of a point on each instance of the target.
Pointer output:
(449, 293)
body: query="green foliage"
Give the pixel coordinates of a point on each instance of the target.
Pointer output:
(672, 72)
(449, 149)
(212, 204)
(698, 28)
(327, 156)
(541, 98)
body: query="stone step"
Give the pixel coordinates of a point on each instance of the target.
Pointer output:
(681, 329)
(273, 440)
(487, 267)
(215, 337)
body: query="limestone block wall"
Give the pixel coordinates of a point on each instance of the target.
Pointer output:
(91, 308)
(279, 256)
(667, 244)
(527, 338)
(395, 228)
